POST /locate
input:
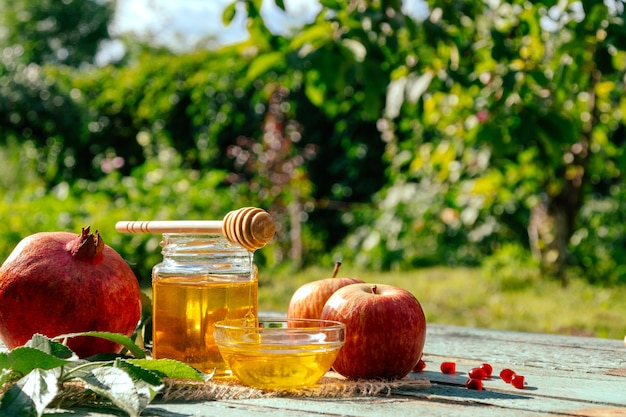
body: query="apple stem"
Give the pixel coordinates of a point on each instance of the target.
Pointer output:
(336, 270)
(374, 289)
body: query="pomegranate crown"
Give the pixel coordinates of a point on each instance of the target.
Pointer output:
(87, 245)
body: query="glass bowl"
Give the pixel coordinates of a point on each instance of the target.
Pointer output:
(279, 353)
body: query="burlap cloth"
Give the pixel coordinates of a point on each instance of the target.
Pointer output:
(332, 385)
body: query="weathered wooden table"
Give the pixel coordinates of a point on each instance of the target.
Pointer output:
(565, 376)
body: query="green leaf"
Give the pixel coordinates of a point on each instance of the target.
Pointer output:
(395, 97)
(4, 361)
(229, 13)
(146, 317)
(254, 8)
(79, 368)
(113, 337)
(263, 63)
(138, 372)
(25, 359)
(331, 4)
(315, 36)
(355, 48)
(116, 385)
(417, 86)
(30, 395)
(51, 347)
(314, 88)
(171, 368)
(147, 383)
(280, 4)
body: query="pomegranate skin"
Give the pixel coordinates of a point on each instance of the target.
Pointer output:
(51, 285)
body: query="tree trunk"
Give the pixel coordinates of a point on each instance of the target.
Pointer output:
(552, 221)
(550, 228)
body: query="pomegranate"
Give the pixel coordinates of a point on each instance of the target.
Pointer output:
(57, 282)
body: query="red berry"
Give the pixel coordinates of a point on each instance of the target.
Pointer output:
(473, 383)
(507, 375)
(518, 381)
(477, 373)
(488, 369)
(419, 366)
(448, 367)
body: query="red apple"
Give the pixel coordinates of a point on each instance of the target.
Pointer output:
(308, 300)
(385, 330)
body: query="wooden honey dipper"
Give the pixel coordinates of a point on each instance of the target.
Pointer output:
(249, 227)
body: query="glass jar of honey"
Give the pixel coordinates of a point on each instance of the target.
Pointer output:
(201, 280)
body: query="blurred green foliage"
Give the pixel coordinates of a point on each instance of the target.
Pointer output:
(65, 32)
(388, 140)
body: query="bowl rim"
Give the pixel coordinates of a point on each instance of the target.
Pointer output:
(331, 325)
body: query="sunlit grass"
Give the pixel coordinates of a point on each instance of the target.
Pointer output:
(462, 296)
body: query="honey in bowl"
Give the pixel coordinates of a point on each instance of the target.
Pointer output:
(279, 353)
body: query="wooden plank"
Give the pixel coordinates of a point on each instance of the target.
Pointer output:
(541, 382)
(570, 353)
(566, 376)
(562, 372)
(527, 400)
(441, 401)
